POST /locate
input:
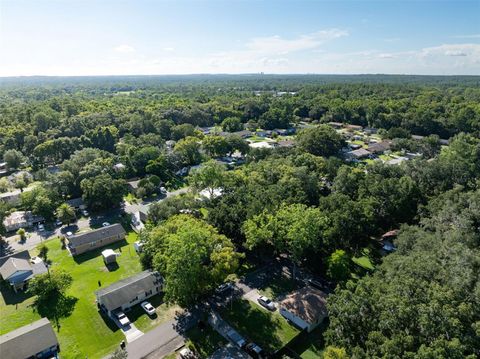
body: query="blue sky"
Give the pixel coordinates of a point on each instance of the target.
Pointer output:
(106, 37)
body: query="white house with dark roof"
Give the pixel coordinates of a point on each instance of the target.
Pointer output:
(35, 340)
(18, 268)
(127, 292)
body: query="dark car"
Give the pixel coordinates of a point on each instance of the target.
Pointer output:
(318, 283)
(254, 350)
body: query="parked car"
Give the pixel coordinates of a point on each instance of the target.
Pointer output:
(224, 287)
(148, 308)
(85, 212)
(267, 303)
(105, 224)
(41, 227)
(69, 234)
(163, 190)
(122, 318)
(254, 350)
(317, 283)
(58, 223)
(186, 353)
(236, 338)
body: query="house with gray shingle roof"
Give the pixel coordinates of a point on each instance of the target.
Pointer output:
(87, 241)
(18, 268)
(127, 292)
(35, 340)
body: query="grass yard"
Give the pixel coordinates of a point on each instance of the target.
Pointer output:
(278, 286)
(204, 341)
(268, 329)
(364, 260)
(310, 345)
(85, 333)
(164, 313)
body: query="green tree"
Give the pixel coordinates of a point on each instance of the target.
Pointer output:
(65, 213)
(232, 124)
(21, 232)
(215, 146)
(43, 252)
(335, 353)
(13, 158)
(50, 291)
(209, 176)
(293, 229)
(189, 151)
(102, 191)
(320, 141)
(191, 255)
(338, 265)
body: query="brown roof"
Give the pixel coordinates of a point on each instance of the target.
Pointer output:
(307, 303)
(392, 233)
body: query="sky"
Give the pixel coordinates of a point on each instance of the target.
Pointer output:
(143, 37)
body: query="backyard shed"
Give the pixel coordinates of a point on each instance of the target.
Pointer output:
(109, 256)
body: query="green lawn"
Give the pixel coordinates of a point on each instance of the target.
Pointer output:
(278, 286)
(204, 341)
(309, 345)
(164, 313)
(268, 329)
(364, 260)
(85, 333)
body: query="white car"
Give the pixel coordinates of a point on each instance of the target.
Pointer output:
(186, 353)
(267, 303)
(122, 318)
(147, 307)
(69, 234)
(105, 224)
(163, 190)
(41, 227)
(85, 212)
(58, 223)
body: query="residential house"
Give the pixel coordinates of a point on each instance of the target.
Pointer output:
(397, 161)
(354, 128)
(13, 197)
(133, 185)
(139, 219)
(35, 340)
(379, 147)
(286, 143)
(306, 308)
(76, 203)
(88, 241)
(21, 219)
(17, 269)
(127, 292)
(336, 125)
(262, 144)
(387, 240)
(370, 130)
(358, 154)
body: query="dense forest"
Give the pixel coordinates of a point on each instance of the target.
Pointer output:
(306, 201)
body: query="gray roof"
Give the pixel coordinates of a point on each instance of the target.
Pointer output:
(28, 340)
(22, 255)
(75, 202)
(13, 265)
(123, 291)
(96, 234)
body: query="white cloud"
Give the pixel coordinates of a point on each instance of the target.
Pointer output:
(281, 46)
(455, 53)
(386, 56)
(124, 48)
(168, 49)
(471, 36)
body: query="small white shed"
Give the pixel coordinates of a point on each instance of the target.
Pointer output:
(109, 256)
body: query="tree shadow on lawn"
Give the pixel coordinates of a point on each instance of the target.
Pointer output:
(137, 311)
(60, 306)
(10, 297)
(259, 325)
(98, 251)
(279, 285)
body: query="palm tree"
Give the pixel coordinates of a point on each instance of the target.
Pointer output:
(66, 213)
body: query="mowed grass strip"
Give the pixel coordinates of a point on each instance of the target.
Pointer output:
(85, 333)
(268, 329)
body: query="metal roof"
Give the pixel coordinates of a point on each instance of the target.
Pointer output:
(96, 234)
